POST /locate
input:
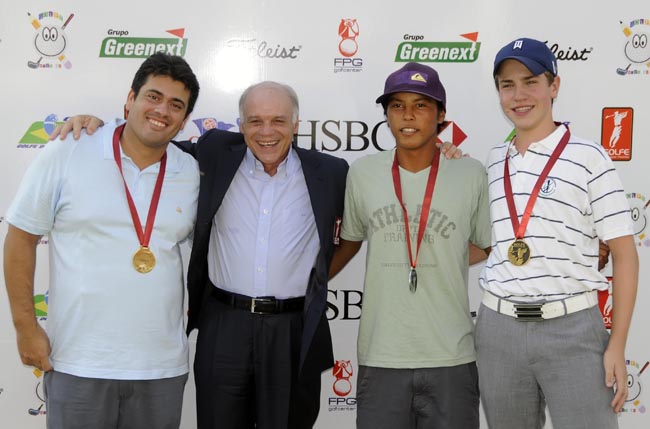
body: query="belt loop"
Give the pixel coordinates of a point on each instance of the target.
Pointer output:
(498, 304)
(566, 310)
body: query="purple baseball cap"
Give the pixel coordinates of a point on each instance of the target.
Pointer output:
(417, 78)
(535, 55)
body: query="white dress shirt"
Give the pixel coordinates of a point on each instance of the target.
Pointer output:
(264, 240)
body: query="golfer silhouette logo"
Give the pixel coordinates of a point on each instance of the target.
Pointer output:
(342, 371)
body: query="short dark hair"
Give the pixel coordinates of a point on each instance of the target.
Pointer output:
(173, 66)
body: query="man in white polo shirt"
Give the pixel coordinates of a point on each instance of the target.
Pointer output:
(540, 338)
(115, 206)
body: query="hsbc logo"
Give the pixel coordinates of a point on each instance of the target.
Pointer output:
(344, 304)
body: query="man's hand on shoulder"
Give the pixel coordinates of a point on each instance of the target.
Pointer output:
(76, 124)
(449, 151)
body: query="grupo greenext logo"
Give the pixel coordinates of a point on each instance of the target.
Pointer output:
(414, 48)
(120, 45)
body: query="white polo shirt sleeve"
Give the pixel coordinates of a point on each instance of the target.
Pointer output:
(35, 205)
(611, 210)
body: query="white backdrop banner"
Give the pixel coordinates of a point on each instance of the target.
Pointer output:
(66, 57)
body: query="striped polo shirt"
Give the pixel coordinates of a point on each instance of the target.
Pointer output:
(581, 200)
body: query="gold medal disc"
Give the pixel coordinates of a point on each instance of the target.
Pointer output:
(518, 252)
(144, 260)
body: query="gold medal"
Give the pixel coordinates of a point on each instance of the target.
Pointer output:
(518, 252)
(144, 260)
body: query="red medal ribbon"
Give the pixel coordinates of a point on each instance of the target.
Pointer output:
(143, 236)
(426, 204)
(520, 228)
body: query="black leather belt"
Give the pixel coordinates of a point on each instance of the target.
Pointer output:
(261, 305)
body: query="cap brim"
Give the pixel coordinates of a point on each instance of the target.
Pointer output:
(382, 98)
(532, 65)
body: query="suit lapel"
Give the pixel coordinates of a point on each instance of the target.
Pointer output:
(226, 168)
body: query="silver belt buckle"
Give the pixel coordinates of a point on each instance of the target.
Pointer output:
(254, 303)
(529, 312)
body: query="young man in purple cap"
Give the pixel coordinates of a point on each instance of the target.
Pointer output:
(539, 334)
(415, 345)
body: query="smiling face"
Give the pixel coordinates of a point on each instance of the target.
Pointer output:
(156, 114)
(637, 48)
(413, 119)
(526, 99)
(50, 41)
(268, 124)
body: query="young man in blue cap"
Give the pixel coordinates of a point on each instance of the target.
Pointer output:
(415, 346)
(539, 334)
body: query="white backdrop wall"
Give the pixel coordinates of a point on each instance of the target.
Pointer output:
(338, 69)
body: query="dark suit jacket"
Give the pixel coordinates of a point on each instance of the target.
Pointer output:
(219, 154)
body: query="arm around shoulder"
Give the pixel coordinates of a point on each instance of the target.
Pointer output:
(476, 254)
(342, 255)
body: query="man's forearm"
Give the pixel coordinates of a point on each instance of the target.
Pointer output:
(19, 266)
(342, 255)
(625, 263)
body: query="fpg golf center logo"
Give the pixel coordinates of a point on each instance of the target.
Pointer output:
(119, 44)
(636, 48)
(414, 48)
(348, 32)
(50, 40)
(342, 387)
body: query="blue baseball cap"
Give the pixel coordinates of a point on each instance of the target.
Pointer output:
(535, 55)
(417, 78)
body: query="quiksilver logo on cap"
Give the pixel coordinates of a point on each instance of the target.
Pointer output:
(418, 77)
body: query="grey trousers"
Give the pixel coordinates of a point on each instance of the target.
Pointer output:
(558, 362)
(423, 398)
(81, 403)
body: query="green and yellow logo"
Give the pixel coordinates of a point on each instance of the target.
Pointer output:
(414, 49)
(117, 46)
(40, 305)
(38, 134)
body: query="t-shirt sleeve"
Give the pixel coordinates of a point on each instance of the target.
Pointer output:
(481, 227)
(34, 206)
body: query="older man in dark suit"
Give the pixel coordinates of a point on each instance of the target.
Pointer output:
(257, 276)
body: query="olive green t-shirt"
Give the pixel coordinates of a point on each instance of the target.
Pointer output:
(431, 327)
